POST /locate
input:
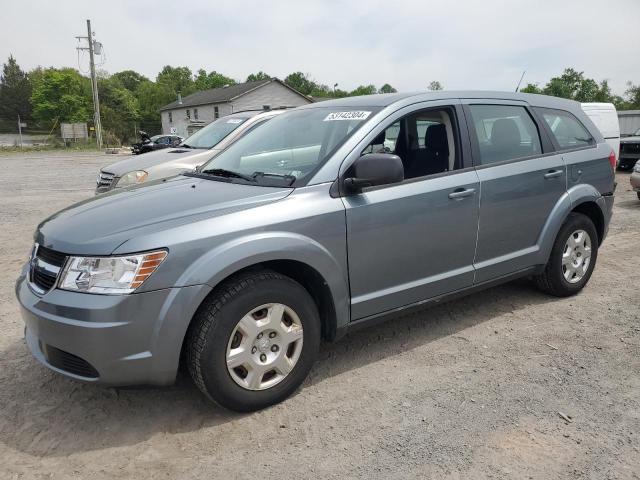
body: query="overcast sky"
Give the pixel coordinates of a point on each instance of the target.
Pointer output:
(474, 44)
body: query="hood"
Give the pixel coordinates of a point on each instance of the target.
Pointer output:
(97, 226)
(632, 139)
(149, 160)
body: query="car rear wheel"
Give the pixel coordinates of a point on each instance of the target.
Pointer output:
(253, 341)
(638, 193)
(572, 259)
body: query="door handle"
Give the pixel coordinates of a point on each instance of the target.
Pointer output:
(552, 174)
(462, 193)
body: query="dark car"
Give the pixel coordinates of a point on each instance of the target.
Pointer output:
(629, 151)
(156, 142)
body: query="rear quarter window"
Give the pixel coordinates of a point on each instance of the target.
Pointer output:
(568, 132)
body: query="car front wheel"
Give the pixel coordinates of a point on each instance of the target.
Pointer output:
(253, 341)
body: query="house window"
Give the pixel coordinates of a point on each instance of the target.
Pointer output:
(216, 112)
(170, 117)
(195, 113)
(188, 114)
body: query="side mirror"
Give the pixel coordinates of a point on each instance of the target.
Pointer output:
(375, 169)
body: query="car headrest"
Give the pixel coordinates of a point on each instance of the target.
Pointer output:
(435, 138)
(505, 133)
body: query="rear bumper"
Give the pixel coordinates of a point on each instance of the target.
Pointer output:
(109, 339)
(627, 163)
(606, 205)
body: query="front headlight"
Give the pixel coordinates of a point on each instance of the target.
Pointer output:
(132, 178)
(109, 275)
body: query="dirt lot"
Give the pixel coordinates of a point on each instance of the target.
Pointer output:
(469, 389)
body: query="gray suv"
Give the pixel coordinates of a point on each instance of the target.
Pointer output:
(327, 218)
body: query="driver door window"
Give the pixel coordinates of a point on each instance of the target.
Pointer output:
(425, 141)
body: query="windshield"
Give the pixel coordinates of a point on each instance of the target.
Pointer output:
(293, 145)
(212, 134)
(637, 132)
(155, 138)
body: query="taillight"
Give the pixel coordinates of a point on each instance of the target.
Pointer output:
(612, 159)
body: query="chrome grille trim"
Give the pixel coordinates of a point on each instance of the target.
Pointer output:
(43, 275)
(105, 179)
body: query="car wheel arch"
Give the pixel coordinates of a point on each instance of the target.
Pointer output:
(581, 198)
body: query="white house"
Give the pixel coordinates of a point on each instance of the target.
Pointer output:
(187, 115)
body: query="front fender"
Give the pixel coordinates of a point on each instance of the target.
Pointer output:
(573, 197)
(228, 258)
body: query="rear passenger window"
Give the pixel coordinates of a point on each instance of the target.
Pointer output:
(567, 129)
(504, 132)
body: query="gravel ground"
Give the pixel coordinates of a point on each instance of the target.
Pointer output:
(506, 383)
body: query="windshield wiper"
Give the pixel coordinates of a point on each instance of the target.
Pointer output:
(221, 172)
(184, 145)
(286, 177)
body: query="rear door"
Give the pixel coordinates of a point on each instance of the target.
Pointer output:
(521, 180)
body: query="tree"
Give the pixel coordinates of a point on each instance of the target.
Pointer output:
(435, 85)
(178, 79)
(15, 92)
(531, 88)
(364, 90)
(151, 97)
(61, 94)
(206, 81)
(386, 88)
(633, 96)
(129, 79)
(301, 82)
(255, 77)
(118, 108)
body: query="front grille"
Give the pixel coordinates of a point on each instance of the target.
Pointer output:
(51, 256)
(68, 362)
(43, 281)
(630, 148)
(105, 179)
(44, 268)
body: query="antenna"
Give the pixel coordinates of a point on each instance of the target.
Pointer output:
(521, 77)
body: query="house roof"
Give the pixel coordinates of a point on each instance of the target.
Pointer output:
(224, 94)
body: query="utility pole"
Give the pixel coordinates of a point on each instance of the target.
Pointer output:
(94, 84)
(20, 129)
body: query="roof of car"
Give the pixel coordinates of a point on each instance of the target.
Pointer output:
(386, 99)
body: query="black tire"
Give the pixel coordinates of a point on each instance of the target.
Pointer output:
(215, 321)
(638, 193)
(552, 279)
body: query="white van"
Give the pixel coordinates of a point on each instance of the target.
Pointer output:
(605, 116)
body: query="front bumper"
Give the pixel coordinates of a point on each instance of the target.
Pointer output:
(124, 339)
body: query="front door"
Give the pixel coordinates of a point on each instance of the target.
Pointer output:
(415, 240)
